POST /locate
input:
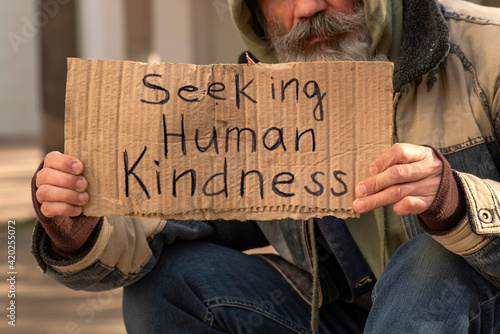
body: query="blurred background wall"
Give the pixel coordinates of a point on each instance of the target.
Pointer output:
(20, 93)
(42, 33)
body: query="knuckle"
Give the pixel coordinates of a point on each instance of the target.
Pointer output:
(378, 201)
(69, 197)
(42, 194)
(64, 197)
(395, 172)
(405, 154)
(428, 151)
(369, 204)
(437, 165)
(51, 156)
(404, 171)
(395, 193)
(401, 172)
(399, 148)
(406, 205)
(398, 210)
(47, 209)
(41, 177)
(52, 209)
(435, 182)
(67, 181)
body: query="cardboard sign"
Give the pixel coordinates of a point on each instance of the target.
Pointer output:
(238, 142)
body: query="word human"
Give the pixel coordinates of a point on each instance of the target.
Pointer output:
(241, 90)
(272, 139)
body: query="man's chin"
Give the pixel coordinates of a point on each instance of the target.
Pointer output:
(316, 52)
(311, 53)
(328, 50)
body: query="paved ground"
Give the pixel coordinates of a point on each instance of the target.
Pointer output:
(42, 305)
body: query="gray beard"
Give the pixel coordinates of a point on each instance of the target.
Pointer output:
(347, 38)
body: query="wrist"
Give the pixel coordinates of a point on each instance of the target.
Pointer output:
(448, 207)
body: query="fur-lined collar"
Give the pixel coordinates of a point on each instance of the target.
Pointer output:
(425, 40)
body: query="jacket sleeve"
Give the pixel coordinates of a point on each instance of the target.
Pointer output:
(476, 238)
(124, 249)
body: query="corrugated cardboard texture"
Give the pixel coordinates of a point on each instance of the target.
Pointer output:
(226, 141)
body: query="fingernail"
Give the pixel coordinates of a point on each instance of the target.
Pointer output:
(80, 184)
(358, 205)
(76, 167)
(78, 211)
(82, 198)
(373, 170)
(361, 190)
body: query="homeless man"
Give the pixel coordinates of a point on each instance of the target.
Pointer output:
(430, 204)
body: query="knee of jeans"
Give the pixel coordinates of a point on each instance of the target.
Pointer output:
(185, 269)
(423, 256)
(422, 264)
(175, 285)
(172, 269)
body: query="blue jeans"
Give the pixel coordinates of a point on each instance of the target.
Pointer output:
(427, 289)
(198, 287)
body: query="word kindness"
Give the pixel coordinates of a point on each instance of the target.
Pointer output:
(219, 181)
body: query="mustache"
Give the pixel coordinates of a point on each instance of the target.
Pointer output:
(321, 25)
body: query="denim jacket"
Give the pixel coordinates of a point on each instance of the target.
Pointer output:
(447, 95)
(455, 107)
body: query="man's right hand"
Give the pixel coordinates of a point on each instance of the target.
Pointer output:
(61, 189)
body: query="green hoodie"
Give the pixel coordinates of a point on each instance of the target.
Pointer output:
(380, 232)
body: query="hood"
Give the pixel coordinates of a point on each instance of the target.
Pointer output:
(384, 19)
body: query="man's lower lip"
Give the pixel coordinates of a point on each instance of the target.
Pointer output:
(313, 40)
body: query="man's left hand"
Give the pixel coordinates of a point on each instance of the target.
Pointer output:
(407, 176)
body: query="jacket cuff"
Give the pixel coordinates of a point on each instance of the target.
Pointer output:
(448, 207)
(461, 240)
(482, 203)
(68, 235)
(481, 224)
(45, 255)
